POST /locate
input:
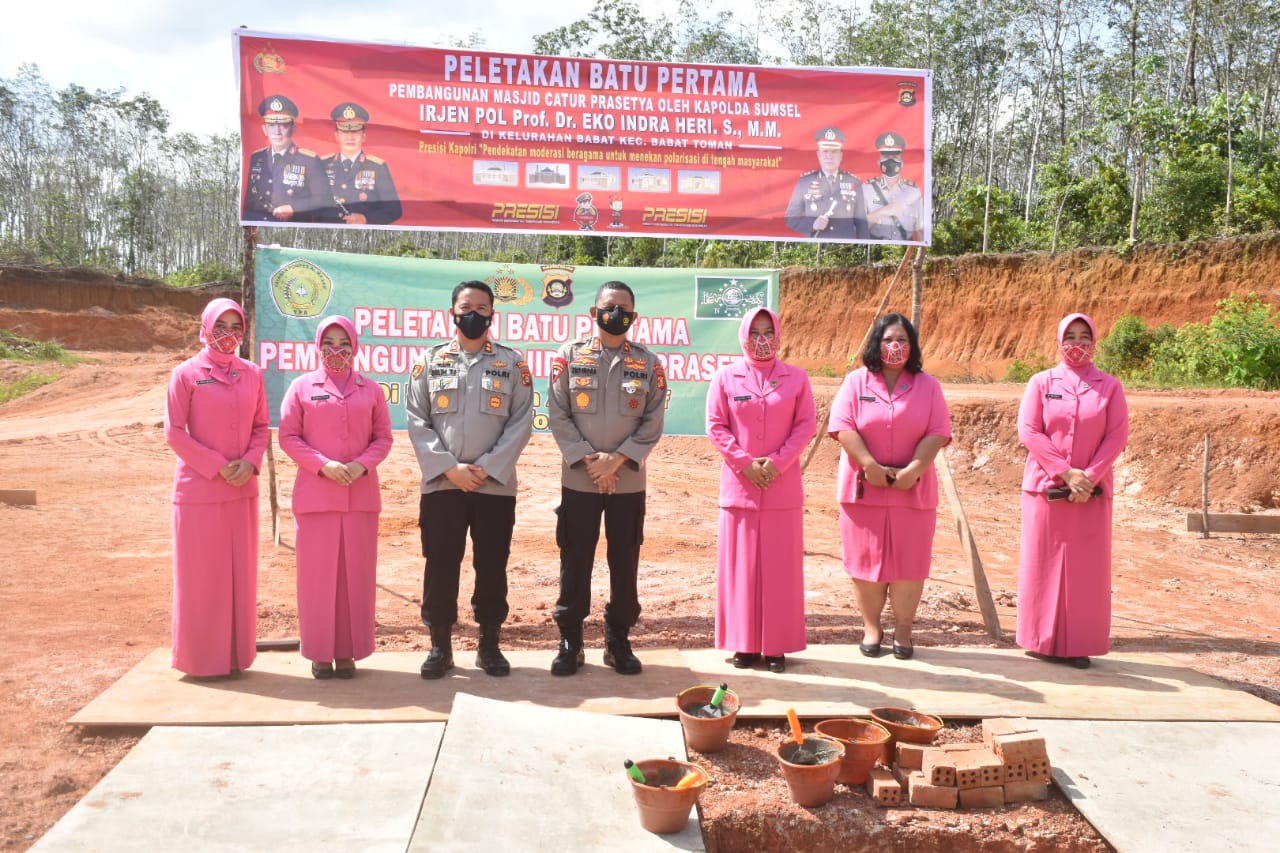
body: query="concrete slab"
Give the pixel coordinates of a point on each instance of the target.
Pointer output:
(518, 777)
(1194, 787)
(279, 788)
(823, 681)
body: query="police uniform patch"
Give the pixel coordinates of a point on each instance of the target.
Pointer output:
(418, 368)
(632, 386)
(583, 381)
(633, 403)
(634, 363)
(495, 402)
(557, 368)
(442, 401)
(526, 378)
(660, 376)
(582, 400)
(498, 364)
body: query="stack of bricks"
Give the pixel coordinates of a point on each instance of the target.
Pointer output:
(1009, 766)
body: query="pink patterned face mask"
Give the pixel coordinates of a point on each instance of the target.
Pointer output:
(1076, 353)
(762, 348)
(894, 353)
(225, 340)
(336, 359)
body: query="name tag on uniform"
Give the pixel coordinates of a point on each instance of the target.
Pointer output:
(742, 399)
(320, 397)
(206, 381)
(867, 399)
(1053, 396)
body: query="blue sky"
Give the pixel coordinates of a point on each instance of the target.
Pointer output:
(179, 52)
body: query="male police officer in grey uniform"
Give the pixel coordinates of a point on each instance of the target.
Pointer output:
(606, 405)
(894, 208)
(363, 192)
(286, 183)
(470, 410)
(827, 202)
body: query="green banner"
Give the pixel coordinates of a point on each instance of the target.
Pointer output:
(400, 307)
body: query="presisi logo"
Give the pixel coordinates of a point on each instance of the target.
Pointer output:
(511, 212)
(675, 216)
(729, 298)
(301, 289)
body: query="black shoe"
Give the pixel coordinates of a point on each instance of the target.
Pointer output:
(438, 662)
(745, 660)
(776, 663)
(1079, 663)
(569, 658)
(871, 650)
(321, 670)
(903, 652)
(344, 668)
(1046, 658)
(617, 653)
(489, 657)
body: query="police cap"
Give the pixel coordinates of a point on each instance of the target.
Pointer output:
(277, 109)
(890, 142)
(350, 116)
(830, 137)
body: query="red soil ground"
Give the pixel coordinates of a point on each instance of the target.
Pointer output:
(86, 589)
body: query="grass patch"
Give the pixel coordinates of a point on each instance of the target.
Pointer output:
(25, 385)
(17, 348)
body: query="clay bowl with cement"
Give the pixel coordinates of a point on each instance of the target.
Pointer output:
(907, 725)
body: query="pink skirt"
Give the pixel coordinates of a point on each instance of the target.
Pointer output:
(886, 544)
(760, 581)
(337, 584)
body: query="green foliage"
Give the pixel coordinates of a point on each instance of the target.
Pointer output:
(963, 232)
(1021, 371)
(205, 272)
(14, 347)
(25, 385)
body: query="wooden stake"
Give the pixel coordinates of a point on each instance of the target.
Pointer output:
(1204, 490)
(19, 497)
(990, 619)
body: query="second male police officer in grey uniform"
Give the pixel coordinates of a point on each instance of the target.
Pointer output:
(893, 202)
(606, 405)
(470, 410)
(827, 202)
(286, 183)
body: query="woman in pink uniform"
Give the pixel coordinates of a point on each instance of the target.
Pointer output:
(891, 419)
(760, 416)
(216, 420)
(334, 423)
(1074, 422)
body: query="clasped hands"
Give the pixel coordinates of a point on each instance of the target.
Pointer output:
(761, 472)
(886, 476)
(237, 472)
(342, 474)
(467, 477)
(1080, 484)
(603, 470)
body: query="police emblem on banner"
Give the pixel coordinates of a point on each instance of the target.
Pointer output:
(301, 289)
(557, 286)
(268, 61)
(585, 214)
(509, 287)
(728, 298)
(907, 93)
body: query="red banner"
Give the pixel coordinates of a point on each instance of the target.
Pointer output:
(343, 134)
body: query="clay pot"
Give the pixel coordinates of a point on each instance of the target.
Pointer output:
(865, 745)
(706, 734)
(907, 725)
(662, 806)
(811, 784)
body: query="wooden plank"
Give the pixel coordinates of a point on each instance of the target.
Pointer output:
(22, 497)
(1234, 523)
(981, 590)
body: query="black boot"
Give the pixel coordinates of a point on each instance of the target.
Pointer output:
(440, 658)
(617, 652)
(489, 657)
(569, 656)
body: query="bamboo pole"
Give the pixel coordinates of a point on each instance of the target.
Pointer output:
(982, 591)
(884, 301)
(1204, 490)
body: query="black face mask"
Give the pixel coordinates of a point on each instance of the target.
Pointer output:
(615, 321)
(471, 324)
(890, 166)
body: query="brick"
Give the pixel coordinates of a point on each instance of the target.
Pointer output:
(1038, 770)
(1015, 771)
(1021, 792)
(1019, 747)
(960, 747)
(1004, 725)
(902, 773)
(911, 755)
(939, 767)
(921, 793)
(883, 788)
(989, 797)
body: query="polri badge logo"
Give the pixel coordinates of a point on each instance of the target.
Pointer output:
(509, 287)
(557, 285)
(301, 289)
(728, 298)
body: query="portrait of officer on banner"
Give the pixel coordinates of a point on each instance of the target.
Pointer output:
(361, 185)
(286, 183)
(894, 204)
(827, 203)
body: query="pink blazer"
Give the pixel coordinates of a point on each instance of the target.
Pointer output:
(1066, 426)
(744, 424)
(319, 424)
(211, 419)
